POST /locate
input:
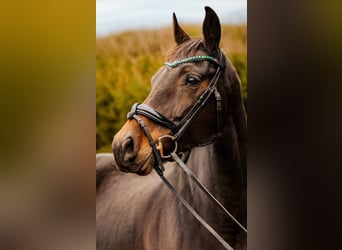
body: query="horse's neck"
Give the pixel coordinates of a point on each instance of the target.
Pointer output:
(203, 164)
(218, 167)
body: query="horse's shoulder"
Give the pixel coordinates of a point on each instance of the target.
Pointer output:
(104, 166)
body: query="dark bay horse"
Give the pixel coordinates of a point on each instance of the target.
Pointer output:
(134, 209)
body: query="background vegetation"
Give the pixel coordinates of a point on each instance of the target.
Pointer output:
(126, 62)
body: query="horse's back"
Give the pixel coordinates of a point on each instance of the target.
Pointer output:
(104, 159)
(123, 203)
(104, 166)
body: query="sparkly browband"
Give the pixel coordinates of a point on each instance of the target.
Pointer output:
(192, 59)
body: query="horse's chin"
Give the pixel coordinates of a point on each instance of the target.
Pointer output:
(147, 166)
(142, 168)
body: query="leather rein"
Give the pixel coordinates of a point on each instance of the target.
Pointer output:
(178, 130)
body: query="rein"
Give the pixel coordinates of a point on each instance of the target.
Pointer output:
(178, 130)
(160, 168)
(187, 170)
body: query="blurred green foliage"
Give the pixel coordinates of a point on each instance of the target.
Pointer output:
(126, 62)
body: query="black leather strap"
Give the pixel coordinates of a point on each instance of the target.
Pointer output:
(201, 102)
(188, 171)
(152, 114)
(196, 215)
(158, 166)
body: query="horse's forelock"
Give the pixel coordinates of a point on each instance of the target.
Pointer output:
(186, 49)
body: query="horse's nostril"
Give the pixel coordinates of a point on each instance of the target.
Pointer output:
(128, 149)
(128, 144)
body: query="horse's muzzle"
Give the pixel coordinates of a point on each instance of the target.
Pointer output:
(125, 153)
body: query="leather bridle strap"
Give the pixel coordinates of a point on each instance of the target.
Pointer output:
(152, 114)
(201, 102)
(187, 170)
(195, 214)
(160, 168)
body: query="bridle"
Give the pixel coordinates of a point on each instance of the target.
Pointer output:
(178, 130)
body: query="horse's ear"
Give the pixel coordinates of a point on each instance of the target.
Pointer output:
(211, 29)
(180, 35)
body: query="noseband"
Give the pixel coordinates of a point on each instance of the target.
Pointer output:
(178, 130)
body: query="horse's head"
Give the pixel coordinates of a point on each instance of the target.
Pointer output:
(195, 67)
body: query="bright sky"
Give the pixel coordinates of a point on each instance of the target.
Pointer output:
(118, 15)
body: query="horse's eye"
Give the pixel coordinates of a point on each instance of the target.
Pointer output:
(192, 81)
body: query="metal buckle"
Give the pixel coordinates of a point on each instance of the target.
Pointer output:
(166, 146)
